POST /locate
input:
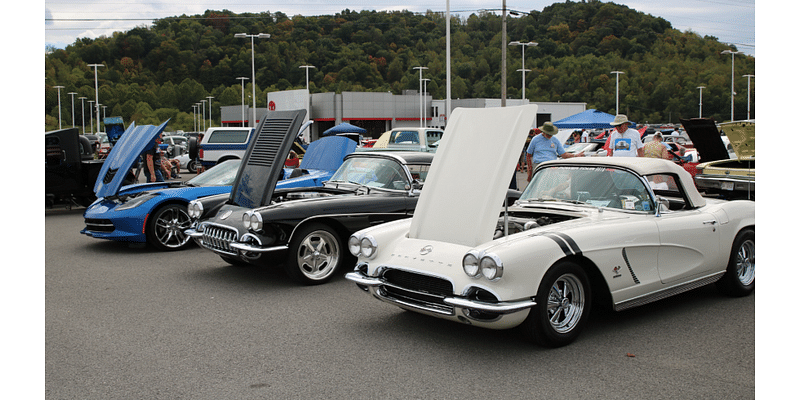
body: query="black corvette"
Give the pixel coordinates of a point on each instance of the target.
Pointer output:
(305, 229)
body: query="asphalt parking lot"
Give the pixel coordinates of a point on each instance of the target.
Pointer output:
(128, 322)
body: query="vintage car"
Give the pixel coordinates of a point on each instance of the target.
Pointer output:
(305, 228)
(719, 174)
(626, 231)
(70, 168)
(155, 213)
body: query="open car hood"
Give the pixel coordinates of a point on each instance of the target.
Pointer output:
(327, 153)
(262, 165)
(123, 155)
(743, 137)
(706, 139)
(471, 173)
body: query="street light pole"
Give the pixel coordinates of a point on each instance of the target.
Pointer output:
(241, 78)
(420, 93)
(307, 67)
(72, 94)
(733, 93)
(91, 123)
(701, 100)
(253, 63)
(210, 119)
(203, 104)
(748, 93)
(83, 116)
(96, 94)
(424, 91)
(59, 105)
(617, 74)
(523, 45)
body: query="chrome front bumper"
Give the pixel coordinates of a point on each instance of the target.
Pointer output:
(451, 304)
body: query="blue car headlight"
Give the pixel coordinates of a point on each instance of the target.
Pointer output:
(135, 202)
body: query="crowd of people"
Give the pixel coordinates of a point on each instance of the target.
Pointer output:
(622, 141)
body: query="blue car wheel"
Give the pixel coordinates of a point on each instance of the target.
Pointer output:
(165, 230)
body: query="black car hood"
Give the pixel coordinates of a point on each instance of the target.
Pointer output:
(263, 162)
(706, 139)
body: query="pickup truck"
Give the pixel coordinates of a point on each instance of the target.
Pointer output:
(409, 139)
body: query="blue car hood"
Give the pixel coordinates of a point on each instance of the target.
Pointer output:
(123, 155)
(327, 153)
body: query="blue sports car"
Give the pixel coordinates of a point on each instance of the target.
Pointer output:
(155, 213)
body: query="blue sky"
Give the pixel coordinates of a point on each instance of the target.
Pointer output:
(731, 21)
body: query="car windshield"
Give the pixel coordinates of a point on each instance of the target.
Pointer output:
(597, 186)
(372, 172)
(221, 175)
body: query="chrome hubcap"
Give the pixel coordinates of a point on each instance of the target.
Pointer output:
(318, 255)
(565, 303)
(746, 262)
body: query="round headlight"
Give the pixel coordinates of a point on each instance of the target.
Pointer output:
(491, 267)
(246, 220)
(470, 265)
(195, 209)
(368, 246)
(256, 223)
(354, 245)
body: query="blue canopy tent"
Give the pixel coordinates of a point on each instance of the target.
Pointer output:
(344, 127)
(589, 119)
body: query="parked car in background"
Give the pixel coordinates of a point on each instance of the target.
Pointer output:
(610, 230)
(718, 174)
(155, 213)
(410, 139)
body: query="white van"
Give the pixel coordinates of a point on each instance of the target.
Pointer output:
(222, 144)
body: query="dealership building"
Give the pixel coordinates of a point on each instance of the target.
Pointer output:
(379, 112)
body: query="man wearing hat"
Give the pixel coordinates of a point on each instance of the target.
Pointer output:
(624, 141)
(545, 147)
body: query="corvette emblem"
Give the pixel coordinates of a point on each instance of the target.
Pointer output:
(425, 250)
(226, 214)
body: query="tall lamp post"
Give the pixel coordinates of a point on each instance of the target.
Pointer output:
(210, 119)
(72, 94)
(523, 45)
(59, 105)
(701, 100)
(253, 63)
(194, 117)
(241, 78)
(203, 105)
(733, 93)
(96, 94)
(420, 93)
(307, 67)
(83, 116)
(617, 74)
(425, 91)
(91, 121)
(748, 93)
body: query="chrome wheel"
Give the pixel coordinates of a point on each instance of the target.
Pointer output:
(746, 262)
(168, 228)
(565, 303)
(318, 255)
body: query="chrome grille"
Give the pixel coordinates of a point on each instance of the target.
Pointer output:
(219, 238)
(418, 282)
(417, 290)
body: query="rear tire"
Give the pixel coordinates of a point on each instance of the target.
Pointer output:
(563, 302)
(192, 167)
(740, 277)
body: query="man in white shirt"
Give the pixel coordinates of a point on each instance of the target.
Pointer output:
(624, 141)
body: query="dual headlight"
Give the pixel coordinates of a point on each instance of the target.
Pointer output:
(252, 221)
(195, 209)
(477, 265)
(365, 246)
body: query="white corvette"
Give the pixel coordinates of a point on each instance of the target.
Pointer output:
(623, 230)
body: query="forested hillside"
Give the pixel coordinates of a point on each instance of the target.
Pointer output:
(158, 73)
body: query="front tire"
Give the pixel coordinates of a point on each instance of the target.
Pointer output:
(315, 254)
(740, 277)
(562, 306)
(165, 231)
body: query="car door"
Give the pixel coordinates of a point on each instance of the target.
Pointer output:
(689, 244)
